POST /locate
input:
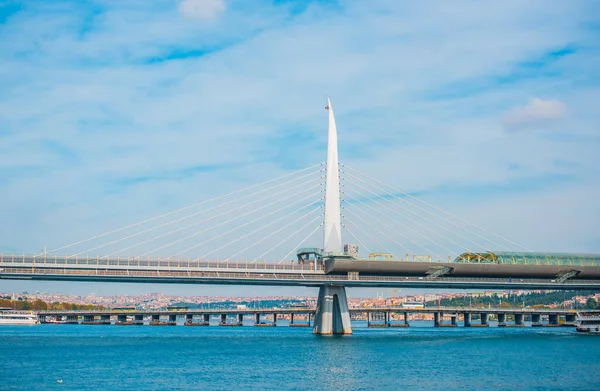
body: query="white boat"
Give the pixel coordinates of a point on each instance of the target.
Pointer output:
(18, 317)
(588, 323)
(412, 304)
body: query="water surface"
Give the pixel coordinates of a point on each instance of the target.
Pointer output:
(223, 358)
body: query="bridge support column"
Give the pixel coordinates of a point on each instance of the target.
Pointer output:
(241, 319)
(467, 319)
(436, 319)
(519, 319)
(206, 319)
(406, 318)
(275, 319)
(484, 319)
(257, 318)
(501, 319)
(453, 319)
(332, 316)
(223, 319)
(536, 319)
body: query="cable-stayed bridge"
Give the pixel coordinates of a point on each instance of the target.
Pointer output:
(289, 230)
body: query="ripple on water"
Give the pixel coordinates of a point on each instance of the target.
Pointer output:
(184, 358)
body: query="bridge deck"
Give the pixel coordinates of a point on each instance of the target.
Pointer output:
(186, 272)
(309, 310)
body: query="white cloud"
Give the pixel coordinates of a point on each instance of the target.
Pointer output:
(536, 113)
(202, 9)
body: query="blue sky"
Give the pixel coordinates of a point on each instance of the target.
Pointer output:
(111, 112)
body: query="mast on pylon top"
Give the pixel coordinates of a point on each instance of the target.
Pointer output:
(332, 232)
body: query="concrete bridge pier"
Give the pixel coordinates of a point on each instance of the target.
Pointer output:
(484, 319)
(256, 319)
(155, 320)
(536, 320)
(206, 319)
(240, 319)
(293, 324)
(501, 320)
(122, 320)
(438, 320)
(223, 320)
(332, 316)
(518, 319)
(467, 319)
(404, 323)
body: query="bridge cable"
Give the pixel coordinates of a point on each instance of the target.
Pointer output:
(410, 211)
(286, 239)
(405, 237)
(436, 208)
(181, 209)
(355, 238)
(421, 217)
(275, 232)
(299, 244)
(198, 213)
(430, 213)
(222, 223)
(249, 223)
(369, 236)
(390, 228)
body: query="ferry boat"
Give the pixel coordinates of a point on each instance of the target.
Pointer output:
(588, 323)
(412, 304)
(18, 317)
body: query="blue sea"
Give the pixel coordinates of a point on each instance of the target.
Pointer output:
(86, 357)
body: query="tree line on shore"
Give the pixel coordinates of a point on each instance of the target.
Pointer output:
(40, 305)
(529, 299)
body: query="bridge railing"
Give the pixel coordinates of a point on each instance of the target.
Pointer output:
(263, 275)
(74, 260)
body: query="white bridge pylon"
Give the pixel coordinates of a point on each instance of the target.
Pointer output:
(332, 315)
